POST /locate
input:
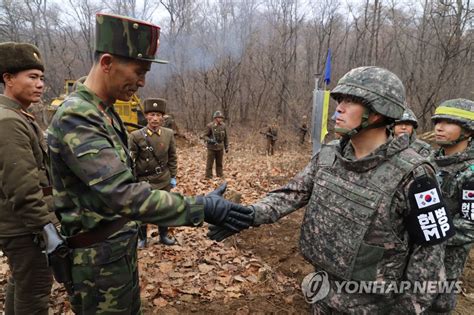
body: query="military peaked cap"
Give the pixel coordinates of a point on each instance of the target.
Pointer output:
(127, 37)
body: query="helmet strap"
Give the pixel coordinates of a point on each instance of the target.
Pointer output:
(364, 124)
(462, 137)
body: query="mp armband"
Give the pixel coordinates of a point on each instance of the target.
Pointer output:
(429, 221)
(467, 201)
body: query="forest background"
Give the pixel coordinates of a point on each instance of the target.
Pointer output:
(256, 60)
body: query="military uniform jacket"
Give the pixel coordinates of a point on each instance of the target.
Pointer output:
(157, 172)
(354, 226)
(217, 132)
(23, 172)
(456, 174)
(92, 175)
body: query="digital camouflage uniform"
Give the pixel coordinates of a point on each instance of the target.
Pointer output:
(361, 220)
(25, 192)
(271, 134)
(154, 155)
(94, 184)
(456, 173)
(217, 142)
(420, 146)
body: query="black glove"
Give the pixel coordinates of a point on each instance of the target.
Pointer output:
(218, 211)
(217, 233)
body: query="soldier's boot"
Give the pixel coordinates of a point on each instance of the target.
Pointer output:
(164, 237)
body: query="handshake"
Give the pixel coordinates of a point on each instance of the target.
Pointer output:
(226, 218)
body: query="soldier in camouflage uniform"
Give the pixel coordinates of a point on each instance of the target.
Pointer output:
(271, 135)
(408, 124)
(96, 195)
(217, 142)
(454, 130)
(25, 191)
(364, 219)
(153, 151)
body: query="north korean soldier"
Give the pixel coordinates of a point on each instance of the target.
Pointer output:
(303, 130)
(97, 197)
(170, 123)
(25, 191)
(271, 136)
(408, 124)
(454, 130)
(217, 142)
(153, 151)
(374, 210)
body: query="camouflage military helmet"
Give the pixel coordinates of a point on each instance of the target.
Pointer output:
(217, 114)
(408, 116)
(16, 57)
(155, 105)
(459, 110)
(127, 37)
(381, 90)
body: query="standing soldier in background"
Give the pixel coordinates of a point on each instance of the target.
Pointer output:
(408, 124)
(303, 130)
(25, 191)
(153, 151)
(170, 123)
(366, 216)
(454, 130)
(96, 194)
(217, 141)
(271, 135)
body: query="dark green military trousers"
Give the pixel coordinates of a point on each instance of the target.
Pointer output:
(270, 146)
(218, 156)
(29, 286)
(105, 277)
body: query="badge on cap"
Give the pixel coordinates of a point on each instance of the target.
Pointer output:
(36, 56)
(155, 104)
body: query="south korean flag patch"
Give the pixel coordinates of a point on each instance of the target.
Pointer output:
(467, 201)
(429, 221)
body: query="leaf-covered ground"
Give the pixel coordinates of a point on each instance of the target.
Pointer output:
(256, 272)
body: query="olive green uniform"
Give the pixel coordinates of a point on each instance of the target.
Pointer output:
(23, 209)
(271, 134)
(217, 142)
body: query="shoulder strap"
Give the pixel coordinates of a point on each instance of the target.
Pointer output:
(327, 155)
(150, 147)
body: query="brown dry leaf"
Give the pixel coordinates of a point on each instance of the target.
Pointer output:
(239, 278)
(160, 302)
(166, 267)
(205, 268)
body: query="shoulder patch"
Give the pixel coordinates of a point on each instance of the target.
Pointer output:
(467, 200)
(429, 221)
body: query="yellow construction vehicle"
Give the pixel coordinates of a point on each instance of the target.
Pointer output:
(130, 112)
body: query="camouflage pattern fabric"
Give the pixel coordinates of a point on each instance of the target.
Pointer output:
(93, 183)
(454, 171)
(127, 37)
(375, 190)
(92, 176)
(420, 146)
(408, 116)
(382, 91)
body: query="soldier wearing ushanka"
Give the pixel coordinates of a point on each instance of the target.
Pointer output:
(153, 150)
(25, 191)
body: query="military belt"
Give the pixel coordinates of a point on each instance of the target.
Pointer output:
(96, 235)
(157, 171)
(47, 191)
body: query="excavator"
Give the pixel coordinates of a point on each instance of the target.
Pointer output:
(130, 112)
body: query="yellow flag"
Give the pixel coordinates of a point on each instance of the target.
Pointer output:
(324, 122)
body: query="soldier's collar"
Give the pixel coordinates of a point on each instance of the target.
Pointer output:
(150, 132)
(90, 96)
(5, 100)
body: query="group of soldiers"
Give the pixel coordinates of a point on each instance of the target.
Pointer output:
(378, 208)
